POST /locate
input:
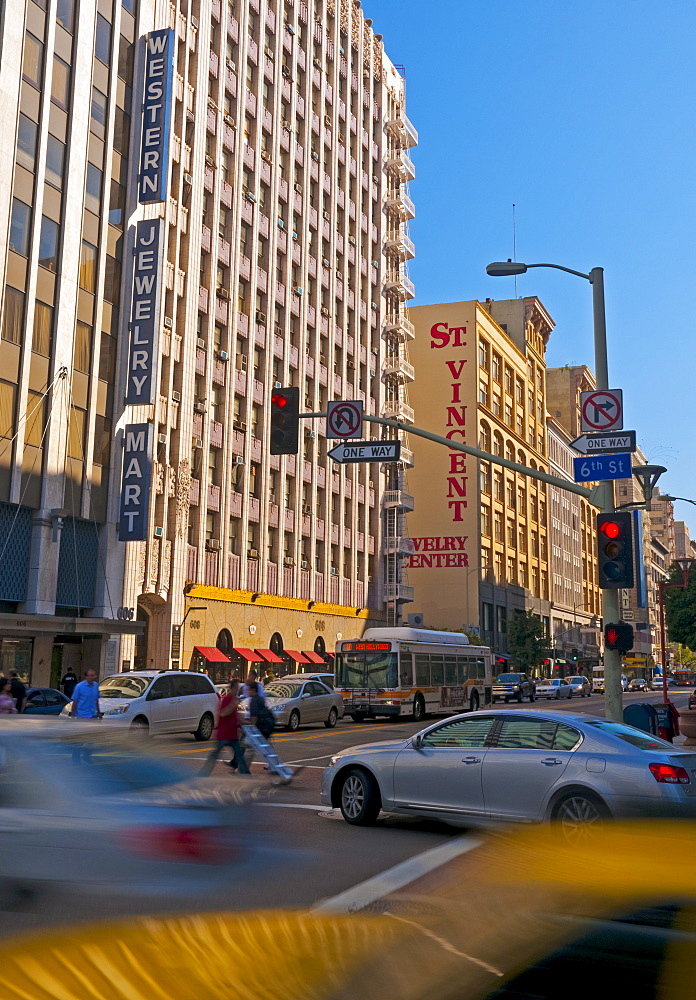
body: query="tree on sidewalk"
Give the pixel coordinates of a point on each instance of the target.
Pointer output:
(527, 639)
(680, 609)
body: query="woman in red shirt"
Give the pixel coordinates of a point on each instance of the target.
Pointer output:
(228, 732)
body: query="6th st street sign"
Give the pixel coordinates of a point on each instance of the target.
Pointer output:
(592, 444)
(367, 451)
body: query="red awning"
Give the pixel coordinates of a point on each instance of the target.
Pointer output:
(314, 657)
(268, 656)
(249, 654)
(332, 656)
(212, 654)
(296, 656)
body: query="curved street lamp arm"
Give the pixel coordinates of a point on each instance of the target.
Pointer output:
(559, 267)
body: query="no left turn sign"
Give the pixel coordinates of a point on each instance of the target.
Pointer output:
(601, 410)
(344, 419)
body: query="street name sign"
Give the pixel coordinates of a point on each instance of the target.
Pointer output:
(591, 444)
(601, 410)
(344, 419)
(367, 451)
(596, 468)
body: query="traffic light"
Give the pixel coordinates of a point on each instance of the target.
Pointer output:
(618, 637)
(574, 654)
(285, 421)
(615, 550)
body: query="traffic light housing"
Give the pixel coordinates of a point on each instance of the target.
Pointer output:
(618, 636)
(285, 421)
(615, 550)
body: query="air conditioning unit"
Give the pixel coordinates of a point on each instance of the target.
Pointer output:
(333, 571)
(209, 161)
(290, 29)
(298, 290)
(306, 508)
(198, 442)
(372, 485)
(373, 372)
(253, 553)
(168, 322)
(327, 119)
(295, 236)
(298, 187)
(161, 438)
(326, 262)
(324, 311)
(200, 343)
(231, 64)
(176, 396)
(199, 407)
(222, 293)
(315, 155)
(339, 274)
(223, 356)
(327, 216)
(374, 305)
(188, 180)
(317, 63)
(250, 196)
(349, 365)
(239, 425)
(237, 460)
(352, 241)
(322, 359)
(341, 137)
(266, 156)
(229, 120)
(288, 561)
(190, 117)
(277, 385)
(304, 564)
(158, 532)
(213, 544)
(286, 72)
(269, 51)
(260, 316)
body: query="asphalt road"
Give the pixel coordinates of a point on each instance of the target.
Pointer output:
(299, 854)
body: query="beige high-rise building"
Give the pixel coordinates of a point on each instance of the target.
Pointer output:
(204, 202)
(479, 531)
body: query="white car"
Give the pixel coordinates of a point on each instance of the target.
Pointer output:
(160, 701)
(554, 687)
(580, 685)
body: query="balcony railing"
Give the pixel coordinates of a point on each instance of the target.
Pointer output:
(400, 327)
(397, 498)
(398, 592)
(402, 129)
(398, 410)
(400, 204)
(399, 368)
(399, 546)
(400, 285)
(400, 245)
(401, 165)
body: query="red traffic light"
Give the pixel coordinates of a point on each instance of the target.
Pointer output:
(610, 528)
(278, 399)
(619, 636)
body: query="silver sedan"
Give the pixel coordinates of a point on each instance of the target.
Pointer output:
(295, 702)
(516, 766)
(556, 687)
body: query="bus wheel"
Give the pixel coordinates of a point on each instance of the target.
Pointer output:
(358, 717)
(474, 703)
(418, 708)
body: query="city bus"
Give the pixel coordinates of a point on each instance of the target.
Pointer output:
(413, 672)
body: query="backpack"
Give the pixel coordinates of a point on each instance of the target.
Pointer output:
(265, 723)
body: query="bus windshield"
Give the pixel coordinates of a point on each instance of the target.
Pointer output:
(374, 669)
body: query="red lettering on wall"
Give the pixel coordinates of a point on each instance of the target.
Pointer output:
(439, 332)
(457, 462)
(459, 415)
(456, 368)
(452, 433)
(457, 485)
(458, 506)
(456, 390)
(458, 332)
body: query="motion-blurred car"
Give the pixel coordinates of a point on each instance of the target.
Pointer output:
(155, 702)
(638, 684)
(554, 687)
(83, 809)
(299, 701)
(580, 685)
(519, 766)
(45, 701)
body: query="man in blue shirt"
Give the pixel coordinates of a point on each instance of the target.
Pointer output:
(85, 698)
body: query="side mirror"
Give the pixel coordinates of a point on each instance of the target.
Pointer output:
(417, 742)
(307, 694)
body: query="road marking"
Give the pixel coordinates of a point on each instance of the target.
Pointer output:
(447, 945)
(291, 739)
(294, 805)
(302, 759)
(389, 881)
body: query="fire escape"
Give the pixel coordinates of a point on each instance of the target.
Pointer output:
(397, 371)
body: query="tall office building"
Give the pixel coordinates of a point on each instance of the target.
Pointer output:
(254, 237)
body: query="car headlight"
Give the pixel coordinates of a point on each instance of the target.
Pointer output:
(515, 687)
(121, 710)
(279, 708)
(335, 760)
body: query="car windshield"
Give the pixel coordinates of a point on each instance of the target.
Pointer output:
(280, 690)
(544, 680)
(123, 686)
(637, 738)
(504, 678)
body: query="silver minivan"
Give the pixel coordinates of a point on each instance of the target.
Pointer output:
(159, 701)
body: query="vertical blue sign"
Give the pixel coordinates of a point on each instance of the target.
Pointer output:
(639, 560)
(144, 326)
(135, 483)
(154, 146)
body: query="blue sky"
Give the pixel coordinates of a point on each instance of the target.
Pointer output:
(581, 113)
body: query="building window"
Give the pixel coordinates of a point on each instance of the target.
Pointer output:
(498, 485)
(43, 329)
(496, 402)
(65, 14)
(60, 83)
(55, 159)
(117, 204)
(508, 414)
(484, 354)
(102, 40)
(48, 243)
(13, 315)
(508, 380)
(88, 267)
(82, 353)
(26, 142)
(498, 526)
(76, 433)
(112, 279)
(98, 113)
(20, 227)
(499, 567)
(496, 366)
(8, 393)
(32, 70)
(125, 60)
(35, 419)
(121, 131)
(107, 358)
(102, 440)
(511, 539)
(483, 393)
(486, 521)
(93, 188)
(485, 478)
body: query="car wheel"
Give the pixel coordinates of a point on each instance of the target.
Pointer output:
(580, 816)
(332, 719)
(205, 728)
(360, 801)
(140, 726)
(474, 703)
(358, 717)
(418, 709)
(558, 695)
(519, 697)
(294, 721)
(532, 697)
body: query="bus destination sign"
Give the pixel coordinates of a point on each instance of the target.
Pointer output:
(352, 647)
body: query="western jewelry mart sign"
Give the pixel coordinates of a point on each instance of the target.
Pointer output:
(157, 102)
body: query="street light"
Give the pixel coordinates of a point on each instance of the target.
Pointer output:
(613, 693)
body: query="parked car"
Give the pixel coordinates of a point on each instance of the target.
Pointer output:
(580, 685)
(45, 701)
(638, 684)
(554, 687)
(297, 701)
(160, 701)
(325, 678)
(83, 809)
(656, 683)
(520, 766)
(513, 687)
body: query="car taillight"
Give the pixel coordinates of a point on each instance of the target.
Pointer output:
(669, 774)
(203, 844)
